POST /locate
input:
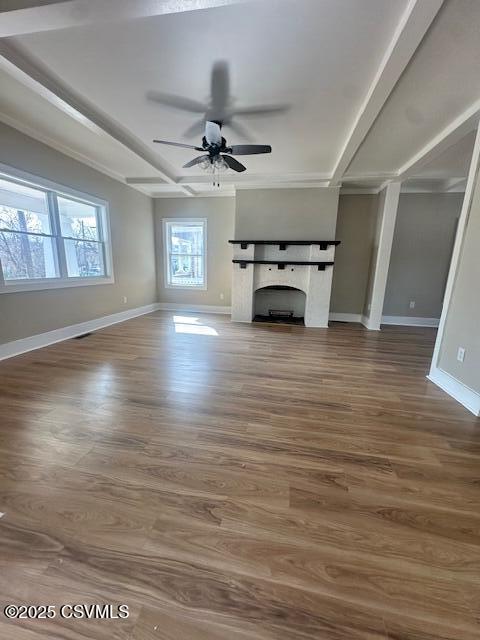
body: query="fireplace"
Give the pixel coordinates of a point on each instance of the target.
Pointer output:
(265, 270)
(279, 304)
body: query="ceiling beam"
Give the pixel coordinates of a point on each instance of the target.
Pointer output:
(452, 133)
(45, 15)
(410, 31)
(43, 78)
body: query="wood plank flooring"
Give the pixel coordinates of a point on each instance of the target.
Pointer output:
(234, 482)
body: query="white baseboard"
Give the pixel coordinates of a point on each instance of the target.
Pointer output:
(365, 320)
(406, 321)
(192, 308)
(17, 347)
(459, 391)
(345, 317)
(411, 321)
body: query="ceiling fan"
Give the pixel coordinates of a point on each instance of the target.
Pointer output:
(216, 155)
(220, 106)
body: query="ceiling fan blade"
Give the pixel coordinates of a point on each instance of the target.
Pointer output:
(249, 149)
(239, 129)
(220, 87)
(195, 161)
(179, 144)
(260, 110)
(233, 163)
(213, 133)
(195, 130)
(177, 102)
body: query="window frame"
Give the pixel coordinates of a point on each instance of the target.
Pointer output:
(166, 223)
(52, 191)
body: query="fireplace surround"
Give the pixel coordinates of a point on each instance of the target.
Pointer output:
(304, 265)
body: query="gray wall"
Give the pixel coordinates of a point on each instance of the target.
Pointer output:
(132, 229)
(355, 229)
(462, 327)
(219, 212)
(421, 252)
(286, 214)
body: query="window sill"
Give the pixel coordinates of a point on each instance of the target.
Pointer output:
(58, 283)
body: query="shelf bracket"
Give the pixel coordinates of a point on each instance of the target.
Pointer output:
(244, 245)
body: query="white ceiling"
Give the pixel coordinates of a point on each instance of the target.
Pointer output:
(454, 162)
(83, 87)
(442, 80)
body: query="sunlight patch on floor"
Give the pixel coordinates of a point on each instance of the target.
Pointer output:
(192, 325)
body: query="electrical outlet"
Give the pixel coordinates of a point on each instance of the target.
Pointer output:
(222, 296)
(412, 304)
(125, 299)
(461, 354)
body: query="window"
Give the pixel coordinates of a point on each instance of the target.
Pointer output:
(185, 242)
(50, 238)
(80, 231)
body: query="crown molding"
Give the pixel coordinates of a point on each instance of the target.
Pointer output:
(453, 185)
(203, 194)
(58, 146)
(283, 185)
(261, 178)
(359, 191)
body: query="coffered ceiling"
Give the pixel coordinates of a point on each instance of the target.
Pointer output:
(373, 90)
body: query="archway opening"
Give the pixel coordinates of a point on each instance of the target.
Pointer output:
(279, 304)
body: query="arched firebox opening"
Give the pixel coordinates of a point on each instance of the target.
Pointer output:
(279, 304)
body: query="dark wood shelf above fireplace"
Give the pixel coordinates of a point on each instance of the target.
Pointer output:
(323, 244)
(282, 263)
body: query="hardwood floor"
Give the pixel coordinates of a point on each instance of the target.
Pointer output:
(234, 482)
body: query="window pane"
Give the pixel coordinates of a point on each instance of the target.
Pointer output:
(26, 257)
(23, 208)
(84, 259)
(186, 271)
(78, 219)
(186, 238)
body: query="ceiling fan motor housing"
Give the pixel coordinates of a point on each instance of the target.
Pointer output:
(214, 149)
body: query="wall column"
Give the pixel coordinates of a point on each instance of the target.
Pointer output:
(386, 217)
